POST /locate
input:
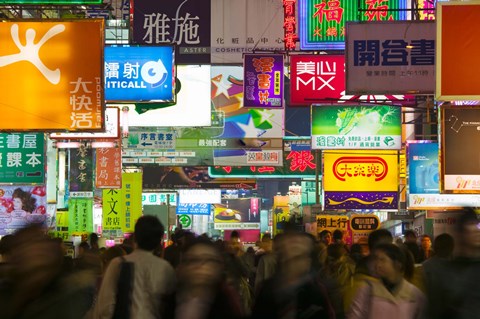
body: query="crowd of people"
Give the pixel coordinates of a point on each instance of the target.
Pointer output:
(293, 275)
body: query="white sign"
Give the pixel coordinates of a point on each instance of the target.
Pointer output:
(423, 201)
(112, 129)
(200, 196)
(397, 57)
(462, 182)
(159, 199)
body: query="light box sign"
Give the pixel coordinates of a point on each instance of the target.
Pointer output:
(139, 74)
(241, 213)
(424, 180)
(263, 80)
(74, 92)
(321, 79)
(322, 22)
(199, 196)
(426, 9)
(192, 107)
(460, 169)
(356, 127)
(360, 180)
(193, 209)
(458, 39)
(397, 57)
(187, 24)
(22, 158)
(22, 205)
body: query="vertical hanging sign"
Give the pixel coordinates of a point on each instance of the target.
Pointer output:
(263, 80)
(80, 215)
(113, 212)
(108, 168)
(289, 25)
(81, 172)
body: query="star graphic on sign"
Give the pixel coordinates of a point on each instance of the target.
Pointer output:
(317, 32)
(222, 86)
(249, 129)
(261, 118)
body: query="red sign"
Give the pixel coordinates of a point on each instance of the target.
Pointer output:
(352, 166)
(316, 78)
(289, 24)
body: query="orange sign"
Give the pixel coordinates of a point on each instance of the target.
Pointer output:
(51, 75)
(458, 40)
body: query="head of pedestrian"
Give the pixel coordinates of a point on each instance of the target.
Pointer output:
(148, 233)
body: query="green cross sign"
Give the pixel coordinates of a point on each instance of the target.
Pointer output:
(185, 221)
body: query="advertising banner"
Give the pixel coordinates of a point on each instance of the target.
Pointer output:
(334, 222)
(460, 137)
(263, 80)
(397, 57)
(32, 74)
(423, 170)
(194, 209)
(362, 226)
(139, 74)
(108, 167)
(80, 174)
(192, 107)
(322, 23)
(122, 207)
(112, 129)
(80, 216)
(22, 158)
(243, 26)
(185, 23)
(159, 199)
(457, 40)
(241, 213)
(21, 205)
(356, 127)
(199, 196)
(280, 213)
(360, 180)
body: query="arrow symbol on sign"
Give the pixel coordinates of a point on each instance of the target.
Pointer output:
(386, 200)
(145, 144)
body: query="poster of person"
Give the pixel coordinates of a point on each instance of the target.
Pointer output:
(20, 206)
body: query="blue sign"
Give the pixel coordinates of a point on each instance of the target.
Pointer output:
(139, 74)
(193, 209)
(423, 168)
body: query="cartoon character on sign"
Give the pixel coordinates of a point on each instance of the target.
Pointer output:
(30, 51)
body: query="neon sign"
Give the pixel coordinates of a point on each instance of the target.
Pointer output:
(289, 24)
(352, 166)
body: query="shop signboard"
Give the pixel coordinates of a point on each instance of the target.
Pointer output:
(187, 24)
(139, 74)
(334, 222)
(356, 127)
(80, 216)
(322, 22)
(397, 57)
(199, 196)
(457, 40)
(159, 199)
(192, 107)
(108, 167)
(22, 158)
(360, 180)
(240, 27)
(21, 205)
(263, 80)
(362, 225)
(32, 73)
(460, 172)
(241, 213)
(194, 209)
(80, 174)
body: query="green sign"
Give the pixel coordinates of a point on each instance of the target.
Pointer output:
(356, 127)
(22, 158)
(185, 221)
(58, 2)
(80, 215)
(322, 23)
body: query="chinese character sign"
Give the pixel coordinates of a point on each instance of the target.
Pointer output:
(316, 78)
(360, 180)
(80, 215)
(362, 226)
(356, 127)
(193, 209)
(322, 22)
(394, 57)
(139, 74)
(426, 9)
(334, 222)
(263, 80)
(290, 24)
(113, 211)
(22, 158)
(32, 75)
(180, 22)
(80, 177)
(22, 205)
(108, 167)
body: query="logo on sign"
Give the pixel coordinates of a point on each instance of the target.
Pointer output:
(352, 166)
(30, 51)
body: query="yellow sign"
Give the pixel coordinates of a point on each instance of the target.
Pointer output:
(360, 171)
(61, 219)
(332, 222)
(51, 75)
(281, 212)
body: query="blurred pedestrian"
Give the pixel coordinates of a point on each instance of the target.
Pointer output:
(425, 248)
(411, 244)
(391, 296)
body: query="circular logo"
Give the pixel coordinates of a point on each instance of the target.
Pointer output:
(185, 221)
(154, 73)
